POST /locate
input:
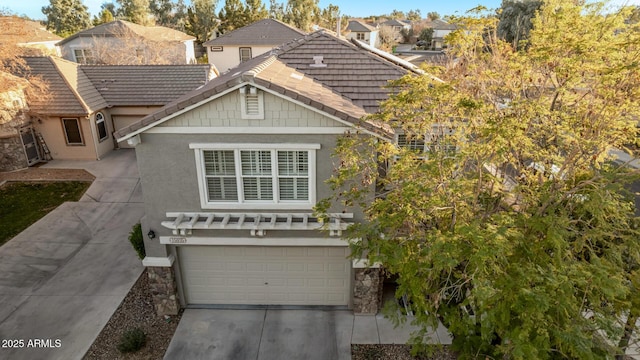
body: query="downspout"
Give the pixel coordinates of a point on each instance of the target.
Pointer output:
(93, 134)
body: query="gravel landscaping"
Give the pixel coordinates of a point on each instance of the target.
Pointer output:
(135, 311)
(396, 352)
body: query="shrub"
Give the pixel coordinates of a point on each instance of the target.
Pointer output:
(137, 241)
(132, 340)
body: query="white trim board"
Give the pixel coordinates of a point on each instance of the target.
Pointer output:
(252, 241)
(248, 130)
(158, 261)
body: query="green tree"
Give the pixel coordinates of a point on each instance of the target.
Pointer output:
(136, 11)
(276, 10)
(66, 17)
(504, 217)
(232, 16)
(414, 15)
(103, 17)
(397, 14)
(329, 17)
(433, 15)
(162, 11)
(255, 10)
(515, 19)
(426, 35)
(301, 13)
(201, 19)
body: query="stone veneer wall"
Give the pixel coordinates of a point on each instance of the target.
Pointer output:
(12, 156)
(367, 291)
(164, 290)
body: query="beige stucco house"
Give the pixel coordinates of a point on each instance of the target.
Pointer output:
(233, 48)
(122, 42)
(88, 103)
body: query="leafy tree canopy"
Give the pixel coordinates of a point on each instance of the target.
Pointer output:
(66, 17)
(504, 217)
(515, 19)
(136, 11)
(201, 21)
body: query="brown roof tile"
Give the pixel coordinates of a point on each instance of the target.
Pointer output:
(351, 85)
(119, 27)
(131, 85)
(72, 92)
(263, 32)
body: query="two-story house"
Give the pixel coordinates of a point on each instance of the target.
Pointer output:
(124, 43)
(363, 32)
(231, 172)
(233, 48)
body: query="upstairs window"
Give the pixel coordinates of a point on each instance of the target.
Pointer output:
(256, 176)
(84, 56)
(359, 36)
(245, 54)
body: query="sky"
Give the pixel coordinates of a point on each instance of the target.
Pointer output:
(354, 8)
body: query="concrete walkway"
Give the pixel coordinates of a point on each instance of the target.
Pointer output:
(62, 278)
(282, 334)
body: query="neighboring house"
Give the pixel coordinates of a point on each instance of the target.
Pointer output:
(122, 42)
(28, 34)
(362, 32)
(441, 29)
(397, 25)
(231, 173)
(88, 103)
(235, 47)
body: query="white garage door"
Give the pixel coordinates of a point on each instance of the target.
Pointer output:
(265, 275)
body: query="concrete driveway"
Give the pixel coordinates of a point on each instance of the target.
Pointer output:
(62, 278)
(262, 335)
(284, 334)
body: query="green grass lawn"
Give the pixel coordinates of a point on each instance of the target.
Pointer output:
(23, 203)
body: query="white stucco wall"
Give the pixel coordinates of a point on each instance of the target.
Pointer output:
(229, 57)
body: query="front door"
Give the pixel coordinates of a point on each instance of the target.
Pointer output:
(30, 145)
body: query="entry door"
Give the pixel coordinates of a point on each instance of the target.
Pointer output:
(30, 145)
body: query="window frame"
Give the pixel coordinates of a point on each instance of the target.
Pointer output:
(361, 36)
(104, 125)
(240, 54)
(84, 56)
(66, 134)
(242, 203)
(433, 138)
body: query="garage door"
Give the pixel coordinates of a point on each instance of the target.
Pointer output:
(265, 275)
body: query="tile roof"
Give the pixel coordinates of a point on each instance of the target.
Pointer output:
(68, 86)
(348, 87)
(119, 27)
(438, 24)
(131, 85)
(358, 26)
(16, 30)
(396, 22)
(262, 32)
(83, 89)
(355, 73)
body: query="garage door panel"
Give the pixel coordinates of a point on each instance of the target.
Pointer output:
(265, 275)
